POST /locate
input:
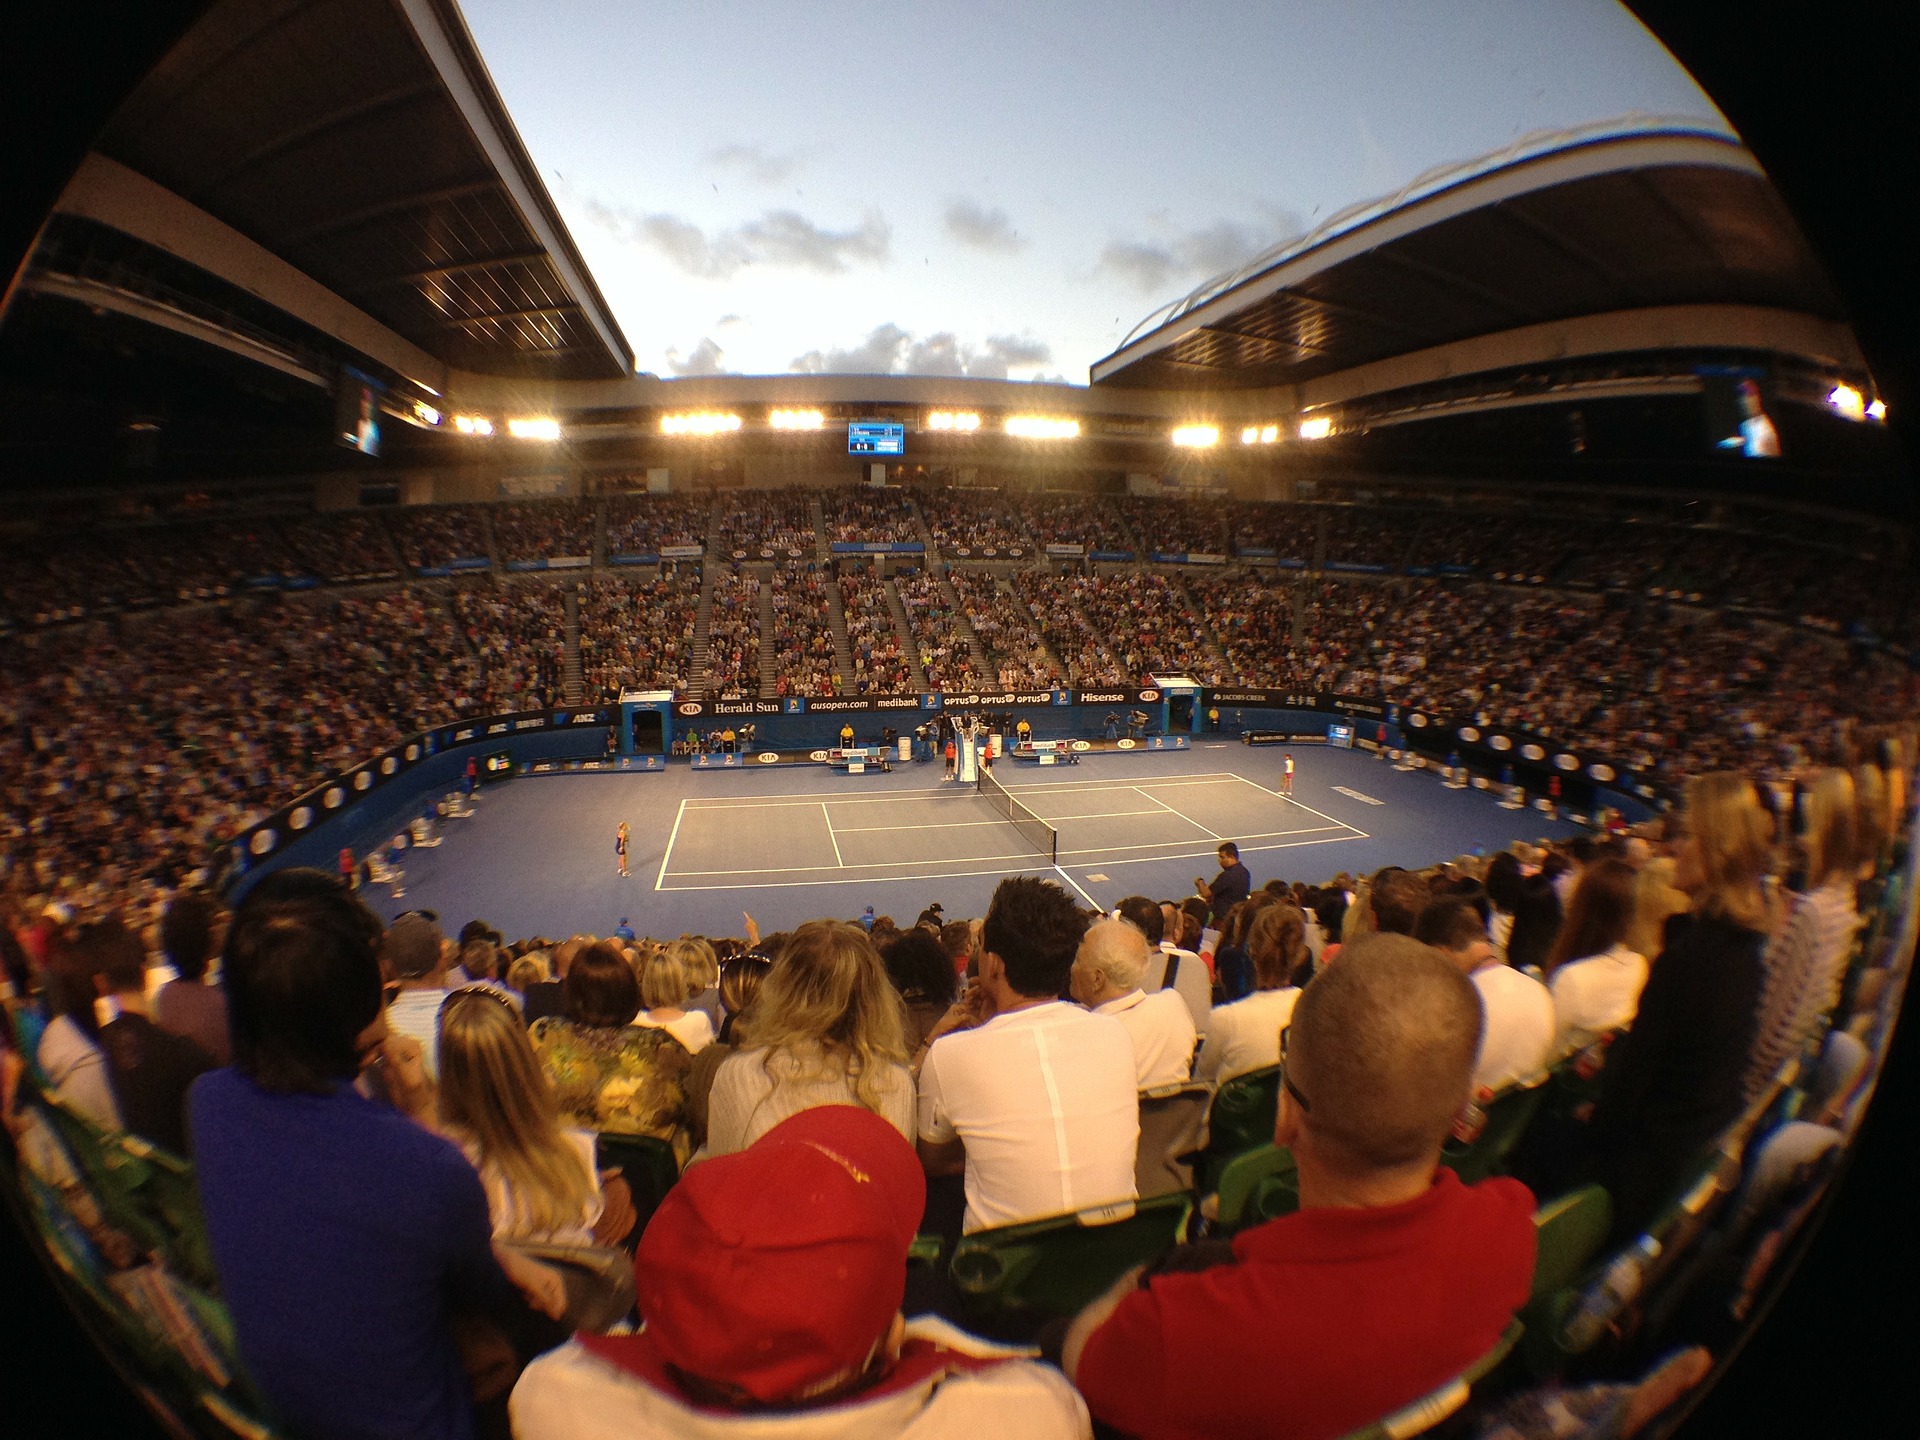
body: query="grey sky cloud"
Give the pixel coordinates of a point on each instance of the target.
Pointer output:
(756, 163)
(780, 238)
(984, 228)
(889, 350)
(1155, 266)
(706, 358)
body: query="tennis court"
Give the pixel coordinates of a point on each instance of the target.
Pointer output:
(833, 837)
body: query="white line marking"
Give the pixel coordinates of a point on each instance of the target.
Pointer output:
(1244, 850)
(831, 836)
(1076, 885)
(863, 879)
(665, 854)
(1181, 813)
(1055, 821)
(1291, 801)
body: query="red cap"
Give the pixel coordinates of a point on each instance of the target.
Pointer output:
(776, 1269)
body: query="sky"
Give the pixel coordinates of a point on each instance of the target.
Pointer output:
(1005, 190)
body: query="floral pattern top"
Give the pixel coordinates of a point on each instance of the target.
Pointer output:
(625, 1079)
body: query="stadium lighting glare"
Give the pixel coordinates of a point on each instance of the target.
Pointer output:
(425, 413)
(962, 420)
(1848, 401)
(1319, 427)
(705, 422)
(534, 427)
(1260, 435)
(796, 419)
(473, 424)
(1877, 410)
(1040, 427)
(1196, 437)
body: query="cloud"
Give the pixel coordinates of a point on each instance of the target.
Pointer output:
(706, 359)
(762, 167)
(1154, 266)
(972, 223)
(890, 350)
(729, 319)
(780, 238)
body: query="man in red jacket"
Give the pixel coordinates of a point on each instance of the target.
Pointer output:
(1390, 1279)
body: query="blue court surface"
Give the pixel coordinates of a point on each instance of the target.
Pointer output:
(802, 842)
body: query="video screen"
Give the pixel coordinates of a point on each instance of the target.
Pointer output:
(356, 411)
(876, 437)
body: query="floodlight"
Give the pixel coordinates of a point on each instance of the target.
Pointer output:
(1196, 437)
(965, 420)
(473, 424)
(425, 413)
(1877, 410)
(534, 427)
(796, 419)
(1041, 427)
(1319, 427)
(1848, 401)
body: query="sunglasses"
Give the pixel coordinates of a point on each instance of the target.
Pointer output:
(1286, 1080)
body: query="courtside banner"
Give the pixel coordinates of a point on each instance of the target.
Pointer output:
(694, 709)
(1264, 699)
(877, 547)
(1121, 695)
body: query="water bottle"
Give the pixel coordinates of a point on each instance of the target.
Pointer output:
(1617, 1288)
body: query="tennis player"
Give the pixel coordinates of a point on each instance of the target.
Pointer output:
(620, 847)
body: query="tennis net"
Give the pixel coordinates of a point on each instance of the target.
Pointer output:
(1037, 832)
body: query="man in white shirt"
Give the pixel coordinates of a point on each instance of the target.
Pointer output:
(1516, 1042)
(1030, 1097)
(1190, 977)
(1106, 979)
(414, 956)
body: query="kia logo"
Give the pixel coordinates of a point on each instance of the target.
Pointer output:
(689, 708)
(768, 757)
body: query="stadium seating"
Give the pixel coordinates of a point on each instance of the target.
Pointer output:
(1241, 1118)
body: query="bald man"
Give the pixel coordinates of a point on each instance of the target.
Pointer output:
(1407, 1275)
(1108, 973)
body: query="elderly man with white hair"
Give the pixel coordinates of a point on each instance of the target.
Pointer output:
(1107, 976)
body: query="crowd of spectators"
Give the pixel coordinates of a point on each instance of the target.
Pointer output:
(1180, 527)
(639, 634)
(1287, 531)
(519, 632)
(129, 750)
(1251, 618)
(434, 535)
(1083, 520)
(827, 1092)
(1357, 535)
(974, 521)
(939, 632)
(1118, 628)
(644, 524)
(767, 523)
(1016, 653)
(543, 529)
(804, 658)
(733, 635)
(879, 664)
(862, 515)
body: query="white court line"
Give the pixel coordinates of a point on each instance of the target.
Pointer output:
(665, 854)
(922, 792)
(1083, 894)
(1034, 869)
(968, 824)
(1244, 850)
(1308, 808)
(1181, 813)
(831, 836)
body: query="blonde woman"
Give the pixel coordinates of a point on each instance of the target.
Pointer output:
(1677, 1077)
(1806, 959)
(540, 1177)
(703, 976)
(1245, 1035)
(825, 1029)
(664, 991)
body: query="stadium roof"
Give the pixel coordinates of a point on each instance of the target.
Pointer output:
(362, 142)
(1554, 228)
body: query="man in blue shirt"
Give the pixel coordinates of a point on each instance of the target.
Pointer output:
(346, 1236)
(1232, 885)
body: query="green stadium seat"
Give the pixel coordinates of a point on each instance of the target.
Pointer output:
(1255, 1187)
(649, 1168)
(1568, 1230)
(1241, 1118)
(1479, 1146)
(1172, 1118)
(1055, 1266)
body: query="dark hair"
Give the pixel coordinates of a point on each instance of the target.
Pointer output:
(1228, 849)
(601, 988)
(476, 930)
(186, 934)
(740, 981)
(1398, 898)
(1277, 945)
(302, 983)
(1144, 915)
(1035, 928)
(1277, 887)
(1503, 881)
(956, 939)
(1450, 924)
(1331, 911)
(1599, 913)
(1536, 920)
(919, 968)
(114, 952)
